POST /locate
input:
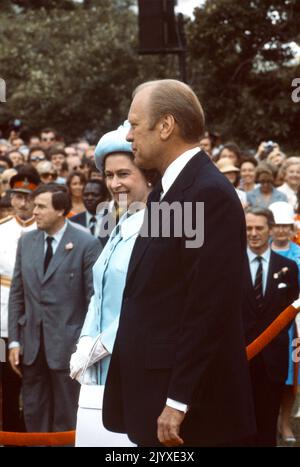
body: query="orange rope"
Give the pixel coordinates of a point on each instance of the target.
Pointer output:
(272, 331)
(37, 439)
(68, 437)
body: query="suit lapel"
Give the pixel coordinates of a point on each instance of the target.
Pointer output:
(60, 253)
(83, 219)
(38, 254)
(140, 246)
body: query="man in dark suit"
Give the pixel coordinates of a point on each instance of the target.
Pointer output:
(271, 285)
(179, 372)
(94, 193)
(49, 297)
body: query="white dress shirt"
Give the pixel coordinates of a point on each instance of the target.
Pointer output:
(174, 169)
(56, 238)
(99, 216)
(290, 194)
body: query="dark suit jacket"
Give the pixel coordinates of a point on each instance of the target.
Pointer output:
(57, 300)
(80, 219)
(274, 355)
(180, 333)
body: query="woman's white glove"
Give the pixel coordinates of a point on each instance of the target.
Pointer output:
(89, 350)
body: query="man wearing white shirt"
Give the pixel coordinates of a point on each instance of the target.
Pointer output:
(49, 296)
(179, 373)
(271, 285)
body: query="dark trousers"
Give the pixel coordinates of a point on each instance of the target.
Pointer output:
(267, 397)
(50, 397)
(12, 416)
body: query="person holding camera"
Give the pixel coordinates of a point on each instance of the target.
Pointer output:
(264, 149)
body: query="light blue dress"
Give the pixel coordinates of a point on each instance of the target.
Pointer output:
(292, 253)
(109, 277)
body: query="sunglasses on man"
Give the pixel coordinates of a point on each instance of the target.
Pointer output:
(37, 158)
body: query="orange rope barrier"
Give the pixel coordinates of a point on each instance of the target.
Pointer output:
(68, 437)
(37, 439)
(272, 331)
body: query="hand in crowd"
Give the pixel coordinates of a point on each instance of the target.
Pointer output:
(14, 359)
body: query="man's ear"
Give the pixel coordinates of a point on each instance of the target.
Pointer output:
(166, 126)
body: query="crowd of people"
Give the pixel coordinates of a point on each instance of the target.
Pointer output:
(163, 326)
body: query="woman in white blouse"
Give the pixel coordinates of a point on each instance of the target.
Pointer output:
(290, 172)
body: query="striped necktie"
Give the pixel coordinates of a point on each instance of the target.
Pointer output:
(92, 224)
(258, 283)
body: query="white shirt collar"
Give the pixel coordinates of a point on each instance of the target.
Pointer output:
(89, 216)
(174, 169)
(265, 256)
(58, 235)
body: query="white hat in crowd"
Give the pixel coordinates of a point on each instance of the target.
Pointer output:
(283, 212)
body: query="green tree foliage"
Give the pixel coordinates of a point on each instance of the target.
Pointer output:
(71, 69)
(242, 67)
(73, 65)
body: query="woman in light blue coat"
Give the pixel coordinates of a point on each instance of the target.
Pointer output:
(129, 187)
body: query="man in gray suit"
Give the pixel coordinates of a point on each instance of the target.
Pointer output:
(50, 292)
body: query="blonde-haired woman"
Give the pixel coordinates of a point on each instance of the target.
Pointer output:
(290, 172)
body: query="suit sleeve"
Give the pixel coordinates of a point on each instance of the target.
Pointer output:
(16, 304)
(294, 289)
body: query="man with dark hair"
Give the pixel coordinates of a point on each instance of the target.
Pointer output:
(50, 292)
(179, 372)
(48, 138)
(5, 163)
(58, 158)
(271, 284)
(94, 193)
